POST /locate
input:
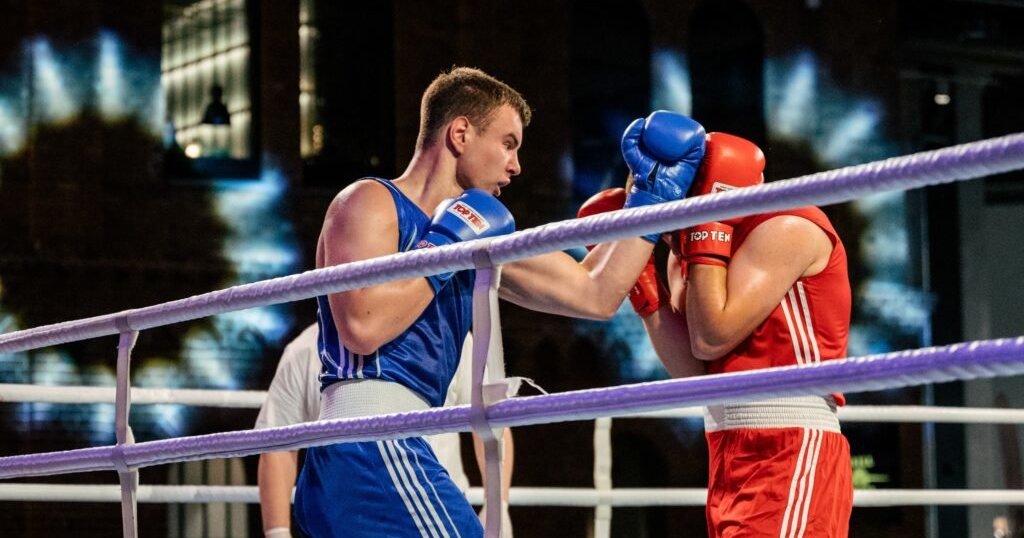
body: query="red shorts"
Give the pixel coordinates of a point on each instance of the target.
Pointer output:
(778, 483)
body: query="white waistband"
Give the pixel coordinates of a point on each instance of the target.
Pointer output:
(802, 412)
(365, 397)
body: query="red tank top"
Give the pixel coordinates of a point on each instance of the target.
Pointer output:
(811, 324)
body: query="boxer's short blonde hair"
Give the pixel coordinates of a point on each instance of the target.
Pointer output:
(469, 92)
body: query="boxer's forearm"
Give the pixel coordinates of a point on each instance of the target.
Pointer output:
(276, 478)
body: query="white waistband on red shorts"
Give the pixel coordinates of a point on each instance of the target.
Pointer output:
(800, 412)
(365, 397)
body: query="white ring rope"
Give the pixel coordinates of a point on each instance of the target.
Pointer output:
(518, 496)
(955, 163)
(604, 497)
(253, 399)
(249, 399)
(885, 413)
(892, 370)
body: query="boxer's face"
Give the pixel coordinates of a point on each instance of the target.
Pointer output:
(491, 154)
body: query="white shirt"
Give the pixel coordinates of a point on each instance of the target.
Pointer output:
(294, 394)
(446, 445)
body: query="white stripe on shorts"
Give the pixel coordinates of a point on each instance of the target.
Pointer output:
(410, 506)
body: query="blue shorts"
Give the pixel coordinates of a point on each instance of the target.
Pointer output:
(393, 488)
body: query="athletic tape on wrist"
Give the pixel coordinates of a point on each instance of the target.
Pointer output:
(278, 532)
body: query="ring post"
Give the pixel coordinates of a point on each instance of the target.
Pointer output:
(127, 476)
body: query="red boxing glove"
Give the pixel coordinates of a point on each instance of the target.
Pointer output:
(648, 294)
(604, 201)
(730, 162)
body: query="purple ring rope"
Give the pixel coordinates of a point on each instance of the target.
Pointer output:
(982, 359)
(954, 163)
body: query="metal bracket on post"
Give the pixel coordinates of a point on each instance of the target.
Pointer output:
(127, 476)
(488, 354)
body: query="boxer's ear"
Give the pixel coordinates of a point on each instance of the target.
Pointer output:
(457, 134)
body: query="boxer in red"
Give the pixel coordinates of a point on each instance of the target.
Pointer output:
(756, 292)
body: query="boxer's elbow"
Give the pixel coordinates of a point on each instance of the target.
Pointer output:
(603, 305)
(360, 337)
(705, 351)
(362, 328)
(606, 311)
(591, 310)
(707, 345)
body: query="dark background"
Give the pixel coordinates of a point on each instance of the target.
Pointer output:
(99, 214)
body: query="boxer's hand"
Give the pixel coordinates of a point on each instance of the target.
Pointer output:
(663, 152)
(730, 162)
(603, 202)
(708, 244)
(648, 294)
(473, 215)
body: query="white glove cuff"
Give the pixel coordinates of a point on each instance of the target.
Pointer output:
(278, 532)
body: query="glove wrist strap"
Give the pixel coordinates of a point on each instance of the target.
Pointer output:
(709, 243)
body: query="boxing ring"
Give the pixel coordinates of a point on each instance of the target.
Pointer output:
(490, 410)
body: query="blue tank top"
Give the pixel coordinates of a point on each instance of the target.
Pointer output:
(425, 356)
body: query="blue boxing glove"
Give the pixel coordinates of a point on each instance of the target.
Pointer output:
(663, 153)
(475, 214)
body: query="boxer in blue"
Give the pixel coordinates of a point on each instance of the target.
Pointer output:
(394, 347)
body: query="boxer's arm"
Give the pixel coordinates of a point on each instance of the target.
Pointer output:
(663, 153)
(676, 276)
(668, 330)
(276, 477)
(671, 340)
(725, 304)
(362, 223)
(593, 288)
